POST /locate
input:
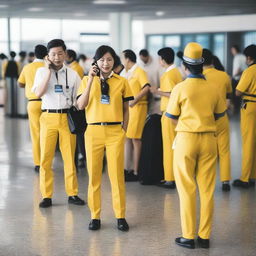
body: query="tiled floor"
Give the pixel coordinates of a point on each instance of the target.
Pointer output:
(152, 212)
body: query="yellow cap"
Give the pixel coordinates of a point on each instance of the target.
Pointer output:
(193, 54)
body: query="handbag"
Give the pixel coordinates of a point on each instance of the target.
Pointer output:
(76, 120)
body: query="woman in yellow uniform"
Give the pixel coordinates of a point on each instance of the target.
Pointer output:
(139, 84)
(194, 104)
(168, 80)
(105, 96)
(247, 89)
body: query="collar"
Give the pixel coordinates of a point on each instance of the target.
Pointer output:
(252, 64)
(208, 69)
(63, 69)
(128, 74)
(132, 68)
(38, 60)
(111, 74)
(201, 76)
(170, 67)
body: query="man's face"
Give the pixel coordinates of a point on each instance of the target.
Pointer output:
(124, 60)
(144, 59)
(233, 51)
(57, 55)
(161, 62)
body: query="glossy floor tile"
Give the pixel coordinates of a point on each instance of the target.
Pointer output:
(152, 212)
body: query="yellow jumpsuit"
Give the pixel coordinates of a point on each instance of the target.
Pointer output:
(100, 135)
(27, 77)
(195, 150)
(222, 83)
(247, 85)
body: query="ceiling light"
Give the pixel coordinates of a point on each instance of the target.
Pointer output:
(3, 5)
(109, 2)
(160, 13)
(35, 9)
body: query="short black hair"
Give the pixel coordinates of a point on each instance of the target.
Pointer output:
(22, 54)
(31, 54)
(167, 54)
(194, 69)
(82, 57)
(3, 56)
(71, 54)
(144, 53)
(179, 54)
(208, 57)
(117, 62)
(236, 47)
(40, 51)
(250, 51)
(129, 54)
(13, 54)
(217, 64)
(56, 43)
(102, 50)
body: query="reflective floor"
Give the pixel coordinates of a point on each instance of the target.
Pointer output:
(152, 212)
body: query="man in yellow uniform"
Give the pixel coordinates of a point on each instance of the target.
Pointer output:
(222, 83)
(26, 80)
(194, 105)
(139, 84)
(71, 61)
(57, 85)
(168, 80)
(247, 89)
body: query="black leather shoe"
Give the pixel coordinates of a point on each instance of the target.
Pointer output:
(37, 168)
(239, 183)
(46, 202)
(94, 224)
(75, 200)
(203, 243)
(122, 225)
(225, 187)
(131, 177)
(187, 243)
(167, 184)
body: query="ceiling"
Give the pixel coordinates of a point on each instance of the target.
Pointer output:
(140, 9)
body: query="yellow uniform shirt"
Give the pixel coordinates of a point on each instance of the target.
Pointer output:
(119, 91)
(167, 82)
(137, 80)
(27, 77)
(195, 103)
(247, 83)
(76, 66)
(220, 80)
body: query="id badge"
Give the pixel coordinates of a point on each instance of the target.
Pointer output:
(105, 99)
(58, 88)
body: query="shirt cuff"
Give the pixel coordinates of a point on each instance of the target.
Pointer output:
(172, 116)
(128, 98)
(219, 115)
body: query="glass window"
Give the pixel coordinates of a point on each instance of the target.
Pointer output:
(173, 41)
(249, 38)
(204, 40)
(219, 46)
(187, 39)
(155, 43)
(3, 36)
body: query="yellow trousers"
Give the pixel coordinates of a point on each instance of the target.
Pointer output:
(223, 142)
(168, 134)
(195, 157)
(248, 131)
(54, 126)
(111, 138)
(137, 118)
(34, 113)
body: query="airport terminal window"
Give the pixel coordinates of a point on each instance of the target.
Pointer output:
(3, 36)
(154, 43)
(173, 41)
(218, 46)
(249, 38)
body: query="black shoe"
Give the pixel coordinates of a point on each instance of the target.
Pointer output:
(131, 177)
(225, 187)
(187, 243)
(203, 243)
(122, 225)
(167, 184)
(239, 183)
(251, 183)
(37, 168)
(46, 202)
(94, 224)
(75, 200)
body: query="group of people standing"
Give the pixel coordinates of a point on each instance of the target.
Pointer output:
(195, 126)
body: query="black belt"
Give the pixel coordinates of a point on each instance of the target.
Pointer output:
(35, 100)
(60, 111)
(106, 123)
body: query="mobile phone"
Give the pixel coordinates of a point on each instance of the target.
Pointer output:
(51, 65)
(98, 70)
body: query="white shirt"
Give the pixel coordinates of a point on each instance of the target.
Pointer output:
(58, 100)
(153, 71)
(170, 67)
(239, 64)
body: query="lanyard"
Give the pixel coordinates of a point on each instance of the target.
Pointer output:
(57, 78)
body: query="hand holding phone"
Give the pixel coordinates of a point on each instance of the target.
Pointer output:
(49, 63)
(94, 71)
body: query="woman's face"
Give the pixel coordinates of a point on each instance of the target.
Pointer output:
(106, 63)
